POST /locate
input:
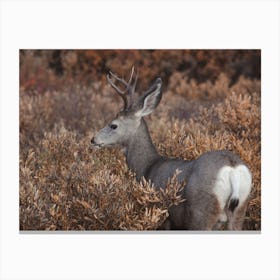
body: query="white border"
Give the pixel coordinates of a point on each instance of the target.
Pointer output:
(146, 24)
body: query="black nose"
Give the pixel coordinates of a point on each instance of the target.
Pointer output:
(92, 141)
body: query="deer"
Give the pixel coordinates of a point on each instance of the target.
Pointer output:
(217, 184)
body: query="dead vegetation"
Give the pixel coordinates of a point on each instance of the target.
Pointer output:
(66, 185)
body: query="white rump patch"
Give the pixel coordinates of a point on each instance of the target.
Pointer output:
(223, 217)
(232, 182)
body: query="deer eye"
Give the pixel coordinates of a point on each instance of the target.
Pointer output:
(113, 126)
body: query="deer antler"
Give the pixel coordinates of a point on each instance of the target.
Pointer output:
(129, 86)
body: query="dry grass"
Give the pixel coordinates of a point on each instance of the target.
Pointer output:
(66, 185)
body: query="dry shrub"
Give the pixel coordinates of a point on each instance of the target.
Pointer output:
(65, 185)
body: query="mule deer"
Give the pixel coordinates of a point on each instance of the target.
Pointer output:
(218, 182)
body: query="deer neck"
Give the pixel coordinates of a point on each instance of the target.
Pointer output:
(140, 151)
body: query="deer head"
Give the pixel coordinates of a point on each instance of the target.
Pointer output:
(123, 127)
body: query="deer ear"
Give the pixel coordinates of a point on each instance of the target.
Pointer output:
(150, 100)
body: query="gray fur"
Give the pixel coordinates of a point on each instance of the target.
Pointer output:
(201, 208)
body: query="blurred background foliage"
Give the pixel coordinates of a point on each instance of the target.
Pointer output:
(85, 66)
